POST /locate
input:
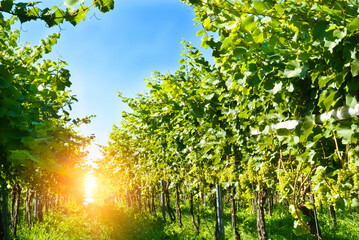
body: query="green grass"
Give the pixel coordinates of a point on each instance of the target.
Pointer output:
(95, 222)
(104, 222)
(347, 228)
(72, 226)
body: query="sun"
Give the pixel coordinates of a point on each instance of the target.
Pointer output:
(90, 187)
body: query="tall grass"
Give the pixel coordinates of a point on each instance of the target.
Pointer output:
(105, 222)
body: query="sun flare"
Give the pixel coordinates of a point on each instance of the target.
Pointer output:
(90, 187)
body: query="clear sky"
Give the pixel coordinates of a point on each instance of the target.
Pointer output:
(116, 51)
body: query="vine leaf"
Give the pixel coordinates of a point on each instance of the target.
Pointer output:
(355, 67)
(351, 101)
(79, 16)
(292, 70)
(72, 3)
(249, 23)
(345, 132)
(207, 23)
(355, 203)
(104, 5)
(354, 25)
(6, 5)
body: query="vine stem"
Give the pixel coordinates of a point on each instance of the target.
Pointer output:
(295, 198)
(337, 150)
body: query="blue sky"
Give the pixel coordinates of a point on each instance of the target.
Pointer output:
(116, 51)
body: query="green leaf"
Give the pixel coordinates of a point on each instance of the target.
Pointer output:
(344, 132)
(21, 12)
(34, 13)
(207, 23)
(58, 16)
(277, 87)
(260, 6)
(339, 79)
(208, 97)
(339, 34)
(80, 15)
(283, 132)
(249, 23)
(304, 71)
(292, 70)
(354, 67)
(239, 52)
(3, 111)
(182, 61)
(104, 5)
(6, 5)
(326, 100)
(229, 83)
(354, 25)
(279, 8)
(340, 204)
(4, 83)
(298, 229)
(72, 3)
(21, 155)
(351, 101)
(307, 126)
(323, 80)
(356, 162)
(200, 32)
(226, 42)
(258, 36)
(317, 137)
(355, 203)
(319, 31)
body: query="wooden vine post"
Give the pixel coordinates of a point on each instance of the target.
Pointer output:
(4, 210)
(139, 199)
(219, 212)
(163, 204)
(35, 206)
(319, 234)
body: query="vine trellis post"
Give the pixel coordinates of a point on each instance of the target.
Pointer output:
(319, 236)
(4, 210)
(219, 212)
(163, 201)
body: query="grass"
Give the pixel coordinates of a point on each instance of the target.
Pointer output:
(95, 223)
(346, 229)
(105, 222)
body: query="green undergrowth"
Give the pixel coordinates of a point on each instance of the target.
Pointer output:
(347, 228)
(95, 222)
(279, 226)
(104, 222)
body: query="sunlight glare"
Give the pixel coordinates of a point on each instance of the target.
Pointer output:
(90, 187)
(94, 152)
